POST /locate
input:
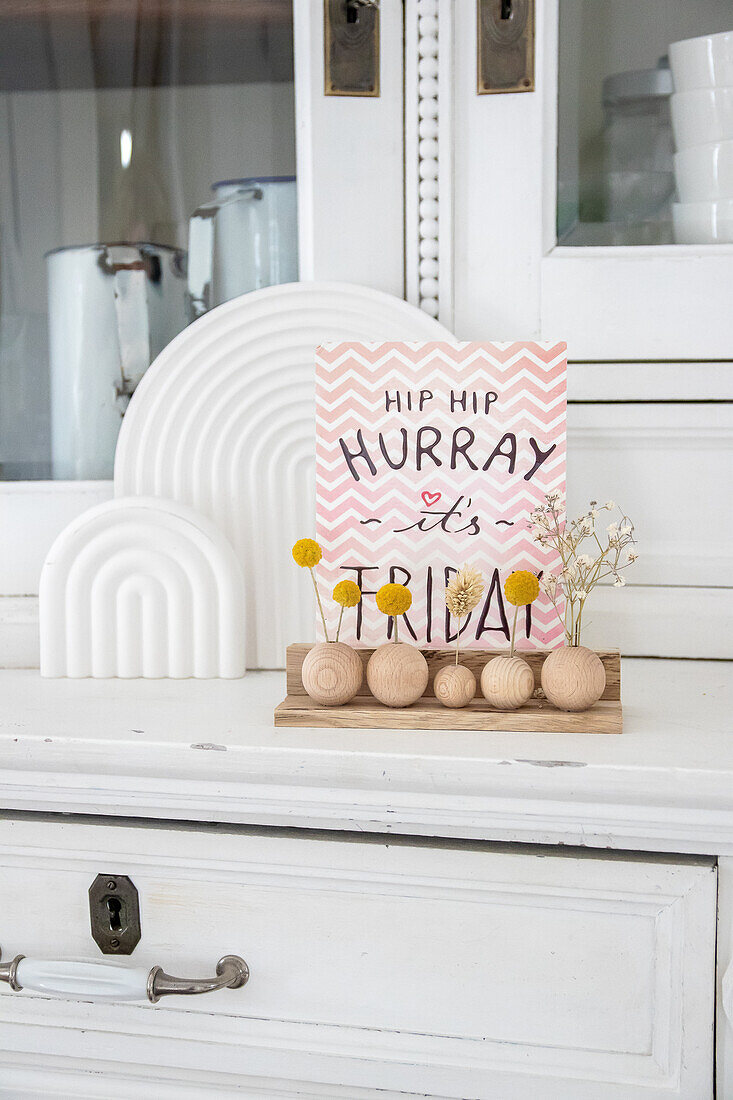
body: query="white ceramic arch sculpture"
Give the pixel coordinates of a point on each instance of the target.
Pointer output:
(224, 420)
(142, 588)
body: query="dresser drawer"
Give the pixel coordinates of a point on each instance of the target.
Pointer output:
(448, 971)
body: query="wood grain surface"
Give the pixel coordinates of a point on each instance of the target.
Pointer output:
(507, 682)
(536, 716)
(475, 659)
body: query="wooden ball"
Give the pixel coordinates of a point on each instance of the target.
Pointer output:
(332, 673)
(454, 685)
(507, 682)
(397, 674)
(573, 678)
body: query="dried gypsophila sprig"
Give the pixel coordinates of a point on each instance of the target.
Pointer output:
(462, 595)
(581, 572)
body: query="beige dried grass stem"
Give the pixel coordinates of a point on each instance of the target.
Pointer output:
(462, 595)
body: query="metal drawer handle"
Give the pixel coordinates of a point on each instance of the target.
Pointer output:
(107, 981)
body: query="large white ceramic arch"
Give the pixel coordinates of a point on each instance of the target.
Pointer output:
(224, 420)
(139, 587)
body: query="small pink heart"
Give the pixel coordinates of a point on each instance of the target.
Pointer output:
(429, 499)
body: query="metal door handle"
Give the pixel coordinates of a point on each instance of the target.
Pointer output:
(110, 981)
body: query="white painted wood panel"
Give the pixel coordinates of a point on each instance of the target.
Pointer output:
(350, 161)
(724, 981)
(19, 632)
(40, 1075)
(647, 620)
(32, 514)
(446, 972)
(668, 466)
(650, 381)
(668, 302)
(192, 750)
(497, 186)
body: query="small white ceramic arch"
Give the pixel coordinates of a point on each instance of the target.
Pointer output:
(224, 420)
(141, 587)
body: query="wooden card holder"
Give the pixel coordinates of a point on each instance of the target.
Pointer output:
(537, 716)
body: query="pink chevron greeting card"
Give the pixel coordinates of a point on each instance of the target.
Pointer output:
(429, 455)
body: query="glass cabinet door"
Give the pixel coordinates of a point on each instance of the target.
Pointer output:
(616, 182)
(148, 158)
(597, 204)
(147, 173)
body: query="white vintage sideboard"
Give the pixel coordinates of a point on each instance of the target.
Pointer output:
(443, 914)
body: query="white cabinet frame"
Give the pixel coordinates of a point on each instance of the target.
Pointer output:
(511, 277)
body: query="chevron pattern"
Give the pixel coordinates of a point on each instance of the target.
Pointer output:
(466, 481)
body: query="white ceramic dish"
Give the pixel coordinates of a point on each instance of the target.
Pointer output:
(705, 62)
(703, 222)
(702, 116)
(224, 420)
(704, 173)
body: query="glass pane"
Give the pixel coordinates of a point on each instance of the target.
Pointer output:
(119, 121)
(616, 174)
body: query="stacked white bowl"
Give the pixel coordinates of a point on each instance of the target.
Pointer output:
(702, 121)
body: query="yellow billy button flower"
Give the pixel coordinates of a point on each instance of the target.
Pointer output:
(520, 588)
(348, 594)
(307, 553)
(394, 600)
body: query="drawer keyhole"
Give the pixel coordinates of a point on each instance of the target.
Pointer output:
(114, 914)
(114, 911)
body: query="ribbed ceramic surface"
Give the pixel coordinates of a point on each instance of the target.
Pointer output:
(142, 588)
(224, 420)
